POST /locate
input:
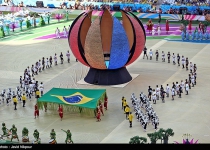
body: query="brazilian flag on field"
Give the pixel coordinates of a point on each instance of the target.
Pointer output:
(74, 100)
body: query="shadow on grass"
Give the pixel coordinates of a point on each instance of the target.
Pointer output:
(162, 37)
(190, 41)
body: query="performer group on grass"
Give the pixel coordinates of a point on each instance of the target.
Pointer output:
(200, 32)
(195, 35)
(152, 30)
(12, 21)
(154, 94)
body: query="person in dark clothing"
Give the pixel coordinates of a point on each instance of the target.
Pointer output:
(149, 93)
(61, 57)
(178, 59)
(145, 52)
(180, 91)
(159, 16)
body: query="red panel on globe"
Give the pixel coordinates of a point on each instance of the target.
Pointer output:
(73, 40)
(140, 40)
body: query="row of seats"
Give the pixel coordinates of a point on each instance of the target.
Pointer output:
(165, 8)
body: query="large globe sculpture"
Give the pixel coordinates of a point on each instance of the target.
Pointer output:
(107, 46)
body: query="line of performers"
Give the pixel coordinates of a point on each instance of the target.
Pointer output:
(100, 109)
(153, 95)
(160, 92)
(142, 105)
(28, 84)
(16, 96)
(196, 35)
(29, 87)
(37, 140)
(65, 32)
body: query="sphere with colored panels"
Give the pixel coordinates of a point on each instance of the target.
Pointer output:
(107, 45)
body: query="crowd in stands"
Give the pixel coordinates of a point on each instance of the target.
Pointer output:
(198, 11)
(91, 6)
(150, 9)
(8, 3)
(11, 3)
(187, 2)
(79, 6)
(121, 1)
(21, 4)
(195, 7)
(149, 6)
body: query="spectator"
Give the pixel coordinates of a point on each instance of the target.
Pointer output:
(63, 5)
(5, 3)
(21, 4)
(140, 10)
(10, 3)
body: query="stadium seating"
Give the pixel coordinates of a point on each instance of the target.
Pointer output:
(56, 4)
(134, 6)
(190, 9)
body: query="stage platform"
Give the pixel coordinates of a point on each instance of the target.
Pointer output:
(82, 82)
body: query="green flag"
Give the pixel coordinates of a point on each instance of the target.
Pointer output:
(82, 98)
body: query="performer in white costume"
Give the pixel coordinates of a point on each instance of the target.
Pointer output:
(41, 88)
(167, 90)
(65, 31)
(158, 30)
(153, 32)
(57, 33)
(154, 98)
